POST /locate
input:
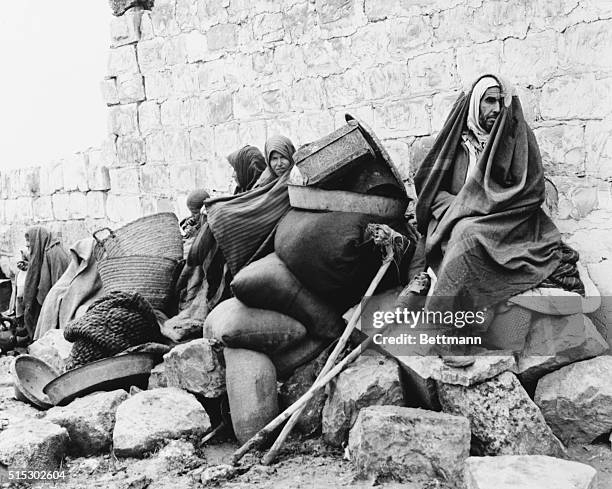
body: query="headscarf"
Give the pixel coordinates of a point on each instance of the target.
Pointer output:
(499, 242)
(473, 120)
(195, 200)
(249, 163)
(282, 145)
(47, 263)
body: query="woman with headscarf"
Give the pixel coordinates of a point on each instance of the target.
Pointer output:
(248, 164)
(47, 263)
(279, 159)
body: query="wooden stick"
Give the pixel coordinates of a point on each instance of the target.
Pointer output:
(331, 360)
(383, 236)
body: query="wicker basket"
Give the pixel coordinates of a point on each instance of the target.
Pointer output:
(154, 235)
(150, 276)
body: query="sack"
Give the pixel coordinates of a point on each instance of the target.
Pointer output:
(240, 326)
(250, 379)
(287, 360)
(269, 284)
(329, 254)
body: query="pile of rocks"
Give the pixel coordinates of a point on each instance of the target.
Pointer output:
(410, 419)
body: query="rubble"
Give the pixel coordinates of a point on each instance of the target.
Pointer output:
(555, 341)
(370, 380)
(295, 386)
(89, 420)
(157, 378)
(407, 443)
(503, 419)
(576, 401)
(196, 367)
(217, 473)
(152, 418)
(33, 444)
(423, 372)
(52, 348)
(527, 472)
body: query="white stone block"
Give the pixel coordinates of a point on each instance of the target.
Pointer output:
(75, 173)
(125, 181)
(176, 146)
(158, 85)
(108, 87)
(201, 142)
(77, 205)
(61, 206)
(409, 37)
(130, 88)
(126, 28)
(130, 151)
(402, 118)
(42, 209)
(196, 46)
(123, 119)
(96, 204)
(478, 59)
(184, 79)
(123, 208)
(582, 96)
(221, 37)
(122, 60)
(150, 55)
(97, 171)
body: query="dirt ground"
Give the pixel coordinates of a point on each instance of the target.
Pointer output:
(301, 465)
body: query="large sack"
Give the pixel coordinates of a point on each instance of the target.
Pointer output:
(305, 350)
(240, 326)
(269, 284)
(330, 254)
(251, 390)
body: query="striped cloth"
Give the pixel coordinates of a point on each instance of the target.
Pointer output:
(242, 224)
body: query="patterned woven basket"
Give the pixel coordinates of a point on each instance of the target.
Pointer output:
(150, 276)
(154, 235)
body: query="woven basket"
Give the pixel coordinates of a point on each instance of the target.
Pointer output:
(154, 235)
(150, 276)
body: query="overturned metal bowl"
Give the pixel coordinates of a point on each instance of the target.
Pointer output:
(30, 376)
(112, 373)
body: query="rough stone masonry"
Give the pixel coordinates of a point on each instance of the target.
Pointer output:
(191, 80)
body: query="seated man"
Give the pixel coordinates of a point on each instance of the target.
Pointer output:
(480, 191)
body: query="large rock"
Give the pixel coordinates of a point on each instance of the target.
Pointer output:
(32, 444)
(407, 443)
(157, 378)
(52, 348)
(527, 472)
(577, 400)
(295, 386)
(555, 341)
(152, 418)
(196, 367)
(371, 380)
(89, 420)
(503, 419)
(422, 373)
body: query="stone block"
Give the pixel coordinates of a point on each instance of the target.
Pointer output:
(220, 107)
(184, 79)
(576, 97)
(125, 181)
(158, 85)
(155, 179)
(252, 132)
(556, 341)
(307, 94)
(163, 18)
(577, 400)
(534, 471)
(211, 12)
(183, 177)
(174, 51)
(122, 60)
(562, 147)
(42, 209)
(268, 27)
(601, 274)
(312, 126)
(598, 141)
(197, 367)
(370, 380)
(196, 46)
(186, 15)
(96, 204)
(125, 29)
(503, 419)
(61, 206)
(108, 151)
(77, 205)
(130, 151)
(339, 17)
(221, 37)
(431, 73)
(123, 119)
(108, 87)
(150, 55)
(152, 418)
(97, 171)
(409, 37)
(586, 47)
(157, 379)
(75, 173)
(176, 146)
(386, 81)
(32, 444)
(275, 99)
(322, 58)
(225, 139)
(123, 209)
(130, 88)
(154, 144)
(531, 60)
(402, 118)
(201, 142)
(149, 117)
(479, 59)
(246, 103)
(170, 112)
(442, 104)
(372, 42)
(409, 445)
(89, 420)
(498, 19)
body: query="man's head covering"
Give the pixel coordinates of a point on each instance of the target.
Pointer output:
(280, 144)
(249, 163)
(473, 122)
(196, 198)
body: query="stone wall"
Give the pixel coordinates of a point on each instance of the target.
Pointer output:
(191, 80)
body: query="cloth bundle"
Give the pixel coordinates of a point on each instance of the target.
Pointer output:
(113, 323)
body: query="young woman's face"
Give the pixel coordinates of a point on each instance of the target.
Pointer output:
(279, 163)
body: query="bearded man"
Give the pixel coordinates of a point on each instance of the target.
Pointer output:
(479, 209)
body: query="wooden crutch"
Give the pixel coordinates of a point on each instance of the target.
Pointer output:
(392, 244)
